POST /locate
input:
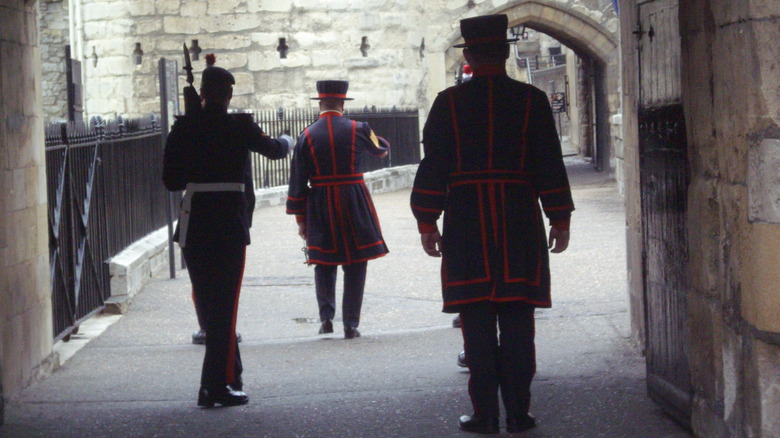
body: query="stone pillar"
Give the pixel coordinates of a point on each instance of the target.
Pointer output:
(25, 301)
(732, 111)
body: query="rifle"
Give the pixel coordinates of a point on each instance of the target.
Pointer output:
(191, 98)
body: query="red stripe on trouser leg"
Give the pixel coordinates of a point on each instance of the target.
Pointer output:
(230, 369)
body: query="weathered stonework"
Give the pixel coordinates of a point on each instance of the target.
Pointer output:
(25, 313)
(730, 97)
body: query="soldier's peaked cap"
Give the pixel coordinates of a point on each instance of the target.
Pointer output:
(485, 29)
(215, 76)
(332, 90)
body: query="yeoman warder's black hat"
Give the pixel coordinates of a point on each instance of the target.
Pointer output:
(332, 90)
(486, 29)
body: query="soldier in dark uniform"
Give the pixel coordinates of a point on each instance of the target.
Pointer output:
(332, 205)
(491, 155)
(206, 154)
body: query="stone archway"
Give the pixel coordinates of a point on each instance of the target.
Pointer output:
(591, 34)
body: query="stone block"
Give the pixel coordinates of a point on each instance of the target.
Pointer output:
(152, 25)
(104, 11)
(140, 7)
(193, 8)
(220, 7)
(325, 58)
(184, 25)
(269, 5)
(165, 7)
(763, 179)
(236, 23)
(244, 84)
(225, 42)
(266, 38)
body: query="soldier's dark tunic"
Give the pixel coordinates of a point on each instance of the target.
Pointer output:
(487, 165)
(326, 186)
(207, 154)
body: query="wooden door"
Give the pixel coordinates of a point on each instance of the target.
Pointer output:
(663, 186)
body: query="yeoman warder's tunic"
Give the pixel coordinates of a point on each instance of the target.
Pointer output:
(487, 166)
(326, 186)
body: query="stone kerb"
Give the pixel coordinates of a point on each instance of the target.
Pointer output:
(134, 267)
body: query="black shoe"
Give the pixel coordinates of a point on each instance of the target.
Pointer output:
(472, 423)
(456, 322)
(351, 333)
(515, 425)
(223, 395)
(326, 327)
(462, 360)
(199, 337)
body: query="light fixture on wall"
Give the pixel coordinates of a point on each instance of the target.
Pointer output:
(195, 50)
(282, 48)
(138, 54)
(364, 46)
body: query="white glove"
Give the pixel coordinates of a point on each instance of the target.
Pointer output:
(284, 138)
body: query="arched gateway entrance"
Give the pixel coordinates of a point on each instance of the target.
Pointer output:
(597, 48)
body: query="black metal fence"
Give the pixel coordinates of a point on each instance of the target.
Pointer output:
(400, 127)
(105, 192)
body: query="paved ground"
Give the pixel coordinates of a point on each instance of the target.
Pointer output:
(139, 378)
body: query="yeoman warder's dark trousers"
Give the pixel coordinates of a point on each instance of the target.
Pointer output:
(354, 283)
(216, 273)
(505, 359)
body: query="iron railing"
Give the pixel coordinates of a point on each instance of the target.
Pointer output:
(105, 193)
(399, 126)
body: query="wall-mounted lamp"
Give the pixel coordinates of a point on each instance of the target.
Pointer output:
(138, 54)
(282, 48)
(94, 57)
(364, 46)
(195, 50)
(517, 32)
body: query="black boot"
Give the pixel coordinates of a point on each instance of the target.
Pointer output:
(472, 423)
(521, 424)
(222, 395)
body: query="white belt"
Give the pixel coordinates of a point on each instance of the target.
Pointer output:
(186, 202)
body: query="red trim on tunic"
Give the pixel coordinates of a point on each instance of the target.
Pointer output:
(290, 198)
(455, 129)
(332, 145)
(352, 147)
(485, 181)
(322, 262)
(490, 70)
(549, 192)
(525, 129)
(496, 299)
(491, 136)
(562, 207)
(311, 151)
(428, 192)
(429, 210)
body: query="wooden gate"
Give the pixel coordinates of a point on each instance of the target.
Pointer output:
(664, 183)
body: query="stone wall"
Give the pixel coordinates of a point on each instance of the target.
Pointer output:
(54, 36)
(323, 40)
(25, 302)
(732, 105)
